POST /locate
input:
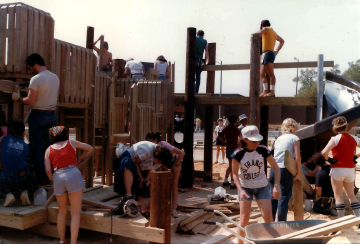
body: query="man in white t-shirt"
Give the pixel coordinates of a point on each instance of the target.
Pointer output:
(42, 98)
(134, 68)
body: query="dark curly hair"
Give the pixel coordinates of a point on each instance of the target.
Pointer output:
(153, 135)
(318, 159)
(232, 119)
(164, 155)
(200, 33)
(16, 128)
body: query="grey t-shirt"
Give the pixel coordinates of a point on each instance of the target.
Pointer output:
(285, 142)
(47, 86)
(145, 151)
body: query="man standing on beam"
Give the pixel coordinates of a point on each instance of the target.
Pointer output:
(201, 45)
(42, 97)
(269, 38)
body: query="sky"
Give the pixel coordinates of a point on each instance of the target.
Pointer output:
(146, 29)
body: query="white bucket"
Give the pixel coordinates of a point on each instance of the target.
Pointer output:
(219, 191)
(308, 204)
(40, 197)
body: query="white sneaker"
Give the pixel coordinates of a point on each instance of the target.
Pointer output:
(9, 200)
(25, 198)
(175, 214)
(216, 161)
(223, 161)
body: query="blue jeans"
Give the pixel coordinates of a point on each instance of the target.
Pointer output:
(197, 74)
(286, 186)
(39, 124)
(9, 183)
(162, 77)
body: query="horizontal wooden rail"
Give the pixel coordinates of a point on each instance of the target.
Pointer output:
(290, 65)
(265, 101)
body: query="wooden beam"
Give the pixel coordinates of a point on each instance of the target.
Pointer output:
(254, 99)
(244, 101)
(90, 37)
(188, 162)
(119, 66)
(288, 65)
(298, 200)
(160, 202)
(209, 115)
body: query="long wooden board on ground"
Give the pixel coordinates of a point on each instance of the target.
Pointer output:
(211, 228)
(290, 165)
(317, 227)
(99, 197)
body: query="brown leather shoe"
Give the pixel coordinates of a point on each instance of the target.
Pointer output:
(270, 94)
(263, 94)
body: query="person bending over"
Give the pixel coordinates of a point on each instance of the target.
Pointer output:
(269, 38)
(323, 181)
(67, 179)
(250, 178)
(15, 174)
(177, 157)
(342, 147)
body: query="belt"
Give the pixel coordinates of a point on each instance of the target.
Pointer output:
(162, 75)
(138, 74)
(43, 111)
(69, 166)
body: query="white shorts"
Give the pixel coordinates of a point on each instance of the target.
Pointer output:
(343, 174)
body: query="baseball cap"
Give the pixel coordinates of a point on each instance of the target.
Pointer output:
(219, 119)
(251, 132)
(243, 116)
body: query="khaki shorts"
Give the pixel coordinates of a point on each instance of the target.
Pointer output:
(343, 174)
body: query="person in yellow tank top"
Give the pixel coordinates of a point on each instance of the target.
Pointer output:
(269, 38)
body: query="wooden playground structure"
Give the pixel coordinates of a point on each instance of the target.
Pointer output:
(105, 108)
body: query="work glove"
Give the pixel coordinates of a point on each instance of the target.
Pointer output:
(354, 159)
(332, 160)
(15, 96)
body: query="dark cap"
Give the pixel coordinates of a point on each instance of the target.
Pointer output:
(265, 22)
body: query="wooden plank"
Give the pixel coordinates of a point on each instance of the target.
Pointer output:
(83, 76)
(211, 228)
(3, 34)
(202, 226)
(316, 227)
(87, 82)
(17, 44)
(79, 76)
(11, 40)
(290, 165)
(194, 216)
(331, 228)
(49, 37)
(30, 36)
(102, 224)
(138, 221)
(73, 74)
(36, 32)
(221, 238)
(67, 73)
(288, 65)
(298, 200)
(254, 100)
(198, 221)
(41, 43)
(45, 229)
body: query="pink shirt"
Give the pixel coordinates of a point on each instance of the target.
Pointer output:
(168, 146)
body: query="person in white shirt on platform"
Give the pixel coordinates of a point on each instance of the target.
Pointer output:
(42, 97)
(134, 68)
(162, 66)
(250, 178)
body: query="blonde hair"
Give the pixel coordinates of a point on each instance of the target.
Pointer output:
(338, 121)
(289, 125)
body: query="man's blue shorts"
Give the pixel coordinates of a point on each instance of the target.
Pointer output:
(268, 57)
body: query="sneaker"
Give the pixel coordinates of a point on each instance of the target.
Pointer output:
(216, 161)
(175, 214)
(263, 93)
(25, 198)
(9, 200)
(232, 186)
(226, 183)
(223, 161)
(270, 94)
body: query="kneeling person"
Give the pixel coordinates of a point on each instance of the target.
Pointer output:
(134, 167)
(15, 174)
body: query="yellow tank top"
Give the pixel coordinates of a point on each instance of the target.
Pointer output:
(268, 40)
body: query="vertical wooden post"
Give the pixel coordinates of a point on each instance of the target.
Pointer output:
(298, 200)
(89, 116)
(264, 128)
(188, 162)
(101, 52)
(320, 87)
(208, 141)
(119, 66)
(160, 202)
(254, 99)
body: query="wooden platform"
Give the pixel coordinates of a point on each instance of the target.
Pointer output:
(21, 217)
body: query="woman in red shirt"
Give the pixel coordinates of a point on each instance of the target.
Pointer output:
(67, 179)
(342, 147)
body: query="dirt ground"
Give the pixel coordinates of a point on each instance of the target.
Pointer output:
(197, 194)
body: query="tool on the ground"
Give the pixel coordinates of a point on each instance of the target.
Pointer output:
(129, 208)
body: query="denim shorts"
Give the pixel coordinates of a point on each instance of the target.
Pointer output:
(259, 193)
(67, 180)
(268, 57)
(229, 152)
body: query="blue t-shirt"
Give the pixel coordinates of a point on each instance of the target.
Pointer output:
(200, 46)
(14, 154)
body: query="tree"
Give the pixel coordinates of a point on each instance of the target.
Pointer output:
(353, 72)
(308, 80)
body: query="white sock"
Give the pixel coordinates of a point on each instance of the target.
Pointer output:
(340, 208)
(128, 195)
(226, 179)
(272, 87)
(265, 86)
(232, 183)
(356, 208)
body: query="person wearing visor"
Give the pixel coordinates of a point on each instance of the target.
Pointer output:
(269, 38)
(249, 175)
(243, 120)
(42, 98)
(342, 147)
